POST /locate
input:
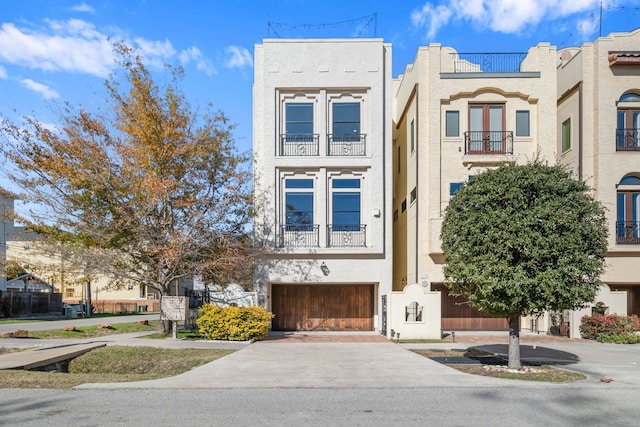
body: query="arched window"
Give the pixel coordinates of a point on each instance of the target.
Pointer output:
(628, 126)
(628, 210)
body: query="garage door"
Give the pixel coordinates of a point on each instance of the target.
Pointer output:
(458, 315)
(322, 307)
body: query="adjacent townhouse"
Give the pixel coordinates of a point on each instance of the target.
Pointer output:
(456, 115)
(598, 136)
(322, 151)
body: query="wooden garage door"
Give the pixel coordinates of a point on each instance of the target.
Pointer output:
(456, 315)
(322, 307)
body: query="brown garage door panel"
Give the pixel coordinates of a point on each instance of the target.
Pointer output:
(322, 307)
(458, 315)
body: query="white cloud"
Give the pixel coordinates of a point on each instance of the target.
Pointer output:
(238, 57)
(505, 16)
(73, 46)
(82, 7)
(78, 46)
(3, 73)
(433, 17)
(44, 90)
(194, 54)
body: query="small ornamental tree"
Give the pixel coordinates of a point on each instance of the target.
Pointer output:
(522, 239)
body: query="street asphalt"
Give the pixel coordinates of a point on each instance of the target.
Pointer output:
(342, 364)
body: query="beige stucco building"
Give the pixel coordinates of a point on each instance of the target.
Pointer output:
(454, 116)
(598, 137)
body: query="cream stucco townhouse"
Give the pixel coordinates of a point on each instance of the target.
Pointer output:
(598, 136)
(456, 115)
(322, 152)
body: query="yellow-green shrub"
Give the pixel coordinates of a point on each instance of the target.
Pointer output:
(233, 323)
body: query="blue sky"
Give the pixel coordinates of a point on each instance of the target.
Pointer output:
(57, 51)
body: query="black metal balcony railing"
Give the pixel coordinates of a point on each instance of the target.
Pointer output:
(628, 232)
(346, 236)
(628, 139)
(488, 142)
(299, 236)
(507, 62)
(299, 144)
(347, 145)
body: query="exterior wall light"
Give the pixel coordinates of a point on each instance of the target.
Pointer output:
(325, 269)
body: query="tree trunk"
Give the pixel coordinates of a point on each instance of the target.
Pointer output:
(514, 342)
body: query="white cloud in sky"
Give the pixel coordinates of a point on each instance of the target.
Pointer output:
(44, 90)
(505, 16)
(72, 46)
(238, 57)
(77, 46)
(82, 7)
(3, 73)
(193, 54)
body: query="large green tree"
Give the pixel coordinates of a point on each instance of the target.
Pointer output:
(522, 239)
(155, 189)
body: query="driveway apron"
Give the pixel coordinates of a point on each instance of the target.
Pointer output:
(272, 364)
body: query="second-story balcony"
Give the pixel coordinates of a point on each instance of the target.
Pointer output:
(628, 139)
(299, 144)
(347, 236)
(628, 232)
(488, 142)
(347, 145)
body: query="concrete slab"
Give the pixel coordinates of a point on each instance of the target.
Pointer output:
(39, 357)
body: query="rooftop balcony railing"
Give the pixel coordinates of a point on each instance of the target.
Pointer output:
(346, 236)
(347, 145)
(299, 144)
(628, 139)
(507, 62)
(628, 232)
(488, 142)
(299, 236)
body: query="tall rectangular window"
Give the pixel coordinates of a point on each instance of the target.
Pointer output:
(452, 123)
(346, 205)
(413, 135)
(299, 204)
(522, 123)
(486, 129)
(299, 121)
(399, 160)
(566, 135)
(346, 121)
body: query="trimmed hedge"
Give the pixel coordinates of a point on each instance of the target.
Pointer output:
(233, 323)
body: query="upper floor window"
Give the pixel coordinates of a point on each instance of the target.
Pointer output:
(452, 123)
(298, 229)
(298, 138)
(299, 203)
(346, 228)
(628, 123)
(346, 138)
(566, 135)
(346, 121)
(522, 123)
(628, 210)
(487, 133)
